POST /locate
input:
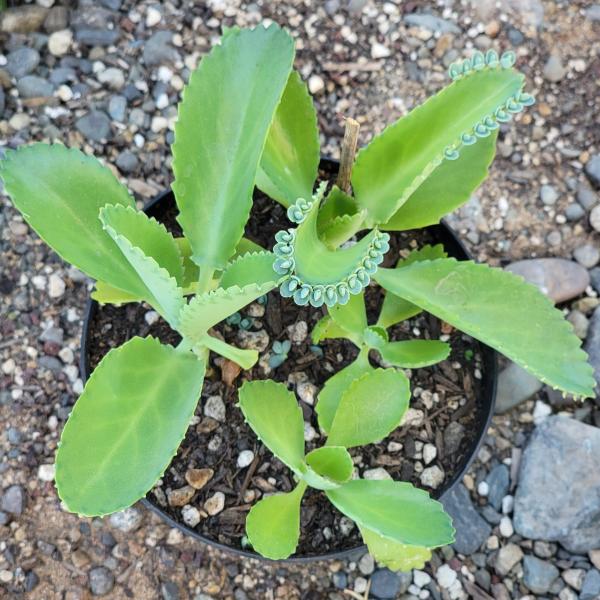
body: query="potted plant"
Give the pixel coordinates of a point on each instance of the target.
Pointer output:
(246, 118)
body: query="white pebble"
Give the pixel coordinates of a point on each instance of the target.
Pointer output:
(307, 392)
(506, 527)
(66, 355)
(541, 411)
(56, 286)
(309, 432)
(315, 84)
(59, 42)
(445, 576)
(429, 453)
(420, 578)
(245, 458)
(151, 317)
(483, 489)
(153, 17)
(214, 408)
(508, 503)
(377, 474)
(413, 417)
(379, 51)
(46, 472)
(215, 504)
(432, 477)
(190, 515)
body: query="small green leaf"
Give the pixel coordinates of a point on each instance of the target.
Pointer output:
(290, 159)
(273, 524)
(352, 316)
(275, 416)
(395, 309)
(253, 267)
(59, 191)
(126, 426)
(190, 268)
(162, 292)
(244, 246)
(245, 358)
(223, 121)
(328, 467)
(395, 510)
(414, 354)
(501, 310)
(341, 229)
(335, 386)
(394, 555)
(326, 328)
(105, 293)
(447, 188)
(371, 407)
(206, 310)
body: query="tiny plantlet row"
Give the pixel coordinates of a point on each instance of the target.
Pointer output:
(245, 120)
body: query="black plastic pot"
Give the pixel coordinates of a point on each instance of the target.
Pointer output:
(454, 247)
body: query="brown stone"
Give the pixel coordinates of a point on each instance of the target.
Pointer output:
(198, 478)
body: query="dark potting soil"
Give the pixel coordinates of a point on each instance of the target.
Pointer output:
(445, 412)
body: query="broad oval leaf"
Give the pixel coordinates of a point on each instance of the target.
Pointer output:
(60, 191)
(328, 467)
(273, 524)
(223, 121)
(394, 555)
(126, 426)
(395, 510)
(371, 407)
(396, 309)
(161, 289)
(335, 386)
(501, 310)
(393, 165)
(414, 354)
(290, 159)
(275, 416)
(449, 186)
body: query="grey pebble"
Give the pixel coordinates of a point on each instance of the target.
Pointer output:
(538, 575)
(587, 255)
(13, 500)
(102, 581)
(127, 162)
(22, 61)
(117, 107)
(32, 86)
(592, 170)
(95, 126)
(548, 194)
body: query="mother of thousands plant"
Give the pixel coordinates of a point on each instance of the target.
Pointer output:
(247, 119)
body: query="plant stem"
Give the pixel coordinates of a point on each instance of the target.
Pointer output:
(347, 154)
(205, 279)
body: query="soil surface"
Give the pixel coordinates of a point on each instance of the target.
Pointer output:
(447, 407)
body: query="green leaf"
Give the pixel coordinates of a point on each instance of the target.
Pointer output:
(273, 524)
(126, 426)
(352, 316)
(328, 467)
(396, 309)
(395, 510)
(394, 555)
(448, 187)
(190, 268)
(206, 310)
(60, 191)
(396, 162)
(327, 328)
(371, 408)
(338, 218)
(275, 416)
(147, 234)
(414, 354)
(105, 293)
(162, 291)
(245, 358)
(290, 159)
(253, 267)
(335, 386)
(223, 121)
(501, 310)
(244, 246)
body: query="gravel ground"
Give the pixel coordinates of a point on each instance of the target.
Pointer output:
(106, 76)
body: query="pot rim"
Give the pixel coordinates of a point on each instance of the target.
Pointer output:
(487, 397)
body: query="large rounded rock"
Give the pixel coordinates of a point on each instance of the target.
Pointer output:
(558, 496)
(558, 278)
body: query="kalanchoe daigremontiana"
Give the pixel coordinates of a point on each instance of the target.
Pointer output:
(246, 118)
(385, 511)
